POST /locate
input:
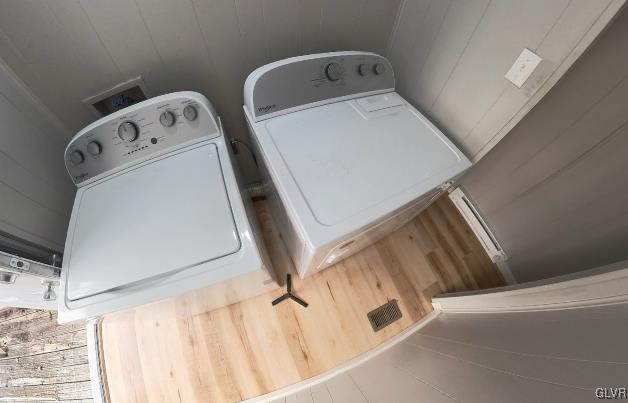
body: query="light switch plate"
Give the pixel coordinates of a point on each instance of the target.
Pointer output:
(523, 67)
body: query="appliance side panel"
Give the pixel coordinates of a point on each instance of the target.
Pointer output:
(368, 235)
(295, 244)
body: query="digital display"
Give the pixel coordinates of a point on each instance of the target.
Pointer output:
(120, 100)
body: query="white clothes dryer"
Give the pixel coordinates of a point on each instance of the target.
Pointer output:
(345, 159)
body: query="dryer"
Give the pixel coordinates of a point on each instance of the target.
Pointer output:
(158, 212)
(345, 160)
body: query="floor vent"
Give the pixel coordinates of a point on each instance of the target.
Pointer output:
(384, 315)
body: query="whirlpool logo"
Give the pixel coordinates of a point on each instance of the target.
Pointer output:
(266, 108)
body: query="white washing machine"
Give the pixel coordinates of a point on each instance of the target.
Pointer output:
(158, 212)
(345, 159)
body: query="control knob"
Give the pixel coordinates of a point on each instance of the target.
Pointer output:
(333, 71)
(190, 112)
(167, 118)
(379, 69)
(76, 157)
(364, 69)
(128, 131)
(94, 148)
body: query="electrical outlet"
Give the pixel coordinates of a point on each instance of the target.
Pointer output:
(20, 264)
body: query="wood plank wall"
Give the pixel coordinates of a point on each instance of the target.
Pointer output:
(36, 193)
(41, 360)
(553, 190)
(450, 57)
(66, 51)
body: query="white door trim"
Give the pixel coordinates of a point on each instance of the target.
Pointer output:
(92, 328)
(600, 286)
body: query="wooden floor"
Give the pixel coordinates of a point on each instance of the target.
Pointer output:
(40, 360)
(163, 353)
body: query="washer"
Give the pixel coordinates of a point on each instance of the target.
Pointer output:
(345, 159)
(158, 212)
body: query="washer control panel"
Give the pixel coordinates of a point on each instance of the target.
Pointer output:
(138, 132)
(304, 80)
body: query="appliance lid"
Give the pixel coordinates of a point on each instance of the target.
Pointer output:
(163, 217)
(347, 157)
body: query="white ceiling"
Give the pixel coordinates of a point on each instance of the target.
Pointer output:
(67, 50)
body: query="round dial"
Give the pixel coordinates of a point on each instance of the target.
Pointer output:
(364, 69)
(379, 69)
(167, 118)
(94, 148)
(190, 112)
(128, 131)
(333, 71)
(77, 157)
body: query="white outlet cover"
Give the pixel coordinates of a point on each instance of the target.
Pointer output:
(523, 67)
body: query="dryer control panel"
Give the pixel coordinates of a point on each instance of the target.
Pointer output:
(289, 84)
(138, 132)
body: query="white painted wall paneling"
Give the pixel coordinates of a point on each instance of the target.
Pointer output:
(551, 190)
(35, 192)
(451, 57)
(66, 51)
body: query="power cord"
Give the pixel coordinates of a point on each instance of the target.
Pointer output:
(234, 146)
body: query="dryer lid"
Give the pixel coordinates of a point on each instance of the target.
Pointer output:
(163, 217)
(348, 157)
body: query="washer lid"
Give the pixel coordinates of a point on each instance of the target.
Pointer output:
(168, 215)
(350, 156)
